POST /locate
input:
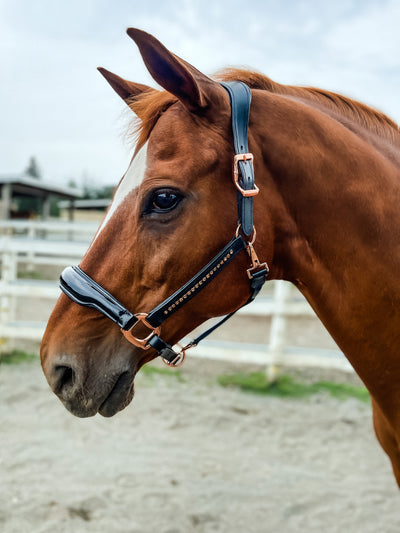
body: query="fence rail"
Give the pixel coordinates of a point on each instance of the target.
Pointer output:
(279, 305)
(39, 228)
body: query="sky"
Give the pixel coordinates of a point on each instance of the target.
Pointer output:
(55, 106)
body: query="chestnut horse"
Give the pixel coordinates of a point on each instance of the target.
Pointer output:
(327, 218)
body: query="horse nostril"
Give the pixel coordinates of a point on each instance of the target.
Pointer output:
(64, 378)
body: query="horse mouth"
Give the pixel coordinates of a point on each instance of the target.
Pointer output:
(120, 396)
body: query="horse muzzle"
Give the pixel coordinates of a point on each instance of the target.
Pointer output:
(85, 393)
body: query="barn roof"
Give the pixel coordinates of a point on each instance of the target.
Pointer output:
(23, 184)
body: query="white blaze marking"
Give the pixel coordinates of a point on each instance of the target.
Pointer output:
(132, 178)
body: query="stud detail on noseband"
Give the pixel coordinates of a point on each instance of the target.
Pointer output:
(199, 283)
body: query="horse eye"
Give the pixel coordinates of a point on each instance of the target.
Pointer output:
(164, 201)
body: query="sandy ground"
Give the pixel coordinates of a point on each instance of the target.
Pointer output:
(190, 457)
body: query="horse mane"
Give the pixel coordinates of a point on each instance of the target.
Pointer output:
(150, 105)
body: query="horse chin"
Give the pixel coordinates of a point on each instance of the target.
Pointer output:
(120, 396)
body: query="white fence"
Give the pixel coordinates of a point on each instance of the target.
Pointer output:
(57, 230)
(20, 244)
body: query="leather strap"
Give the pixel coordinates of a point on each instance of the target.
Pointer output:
(163, 349)
(83, 290)
(256, 282)
(197, 283)
(240, 98)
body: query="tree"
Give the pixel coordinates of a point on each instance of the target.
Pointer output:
(33, 169)
(72, 183)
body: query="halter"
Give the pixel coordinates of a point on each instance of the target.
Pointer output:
(83, 290)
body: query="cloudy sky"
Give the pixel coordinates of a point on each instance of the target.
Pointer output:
(54, 105)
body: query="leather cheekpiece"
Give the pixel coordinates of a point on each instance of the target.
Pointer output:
(240, 98)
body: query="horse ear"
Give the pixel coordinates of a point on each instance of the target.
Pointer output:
(124, 88)
(195, 90)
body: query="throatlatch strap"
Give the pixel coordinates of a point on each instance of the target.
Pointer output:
(257, 281)
(240, 98)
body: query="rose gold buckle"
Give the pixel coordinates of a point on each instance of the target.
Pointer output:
(236, 159)
(141, 343)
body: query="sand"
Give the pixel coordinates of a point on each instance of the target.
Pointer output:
(190, 456)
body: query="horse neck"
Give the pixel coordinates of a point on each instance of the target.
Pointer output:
(333, 205)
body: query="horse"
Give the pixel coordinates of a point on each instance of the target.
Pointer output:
(326, 218)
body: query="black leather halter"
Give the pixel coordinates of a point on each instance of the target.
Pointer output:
(83, 290)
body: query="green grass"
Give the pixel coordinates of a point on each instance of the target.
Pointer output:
(150, 371)
(16, 357)
(33, 274)
(285, 386)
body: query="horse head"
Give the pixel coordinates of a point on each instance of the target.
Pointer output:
(172, 211)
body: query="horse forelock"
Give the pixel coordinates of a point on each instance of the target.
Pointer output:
(149, 106)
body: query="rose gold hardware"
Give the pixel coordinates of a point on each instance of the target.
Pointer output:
(254, 233)
(254, 237)
(236, 159)
(253, 256)
(255, 262)
(141, 343)
(180, 357)
(177, 362)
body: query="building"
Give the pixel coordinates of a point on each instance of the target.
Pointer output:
(84, 210)
(14, 186)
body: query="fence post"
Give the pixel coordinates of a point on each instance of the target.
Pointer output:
(7, 301)
(278, 328)
(30, 255)
(4, 303)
